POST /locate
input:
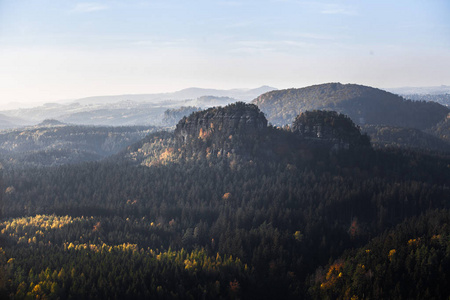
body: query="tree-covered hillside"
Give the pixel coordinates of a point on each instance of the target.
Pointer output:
(213, 212)
(54, 143)
(442, 129)
(408, 262)
(363, 104)
(443, 99)
(407, 138)
(329, 125)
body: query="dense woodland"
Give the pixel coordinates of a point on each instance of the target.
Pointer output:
(390, 120)
(442, 129)
(279, 215)
(54, 143)
(363, 104)
(436, 139)
(410, 261)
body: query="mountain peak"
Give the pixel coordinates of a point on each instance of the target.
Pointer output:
(237, 118)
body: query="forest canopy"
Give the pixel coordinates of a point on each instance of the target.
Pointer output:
(269, 215)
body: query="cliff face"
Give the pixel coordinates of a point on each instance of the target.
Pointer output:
(239, 133)
(235, 119)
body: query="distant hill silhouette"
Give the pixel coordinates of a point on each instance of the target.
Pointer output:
(363, 104)
(188, 93)
(172, 116)
(10, 122)
(127, 110)
(51, 122)
(53, 143)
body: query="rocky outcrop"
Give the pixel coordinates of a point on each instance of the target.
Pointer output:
(329, 126)
(221, 122)
(238, 134)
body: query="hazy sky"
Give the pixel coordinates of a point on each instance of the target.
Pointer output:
(63, 49)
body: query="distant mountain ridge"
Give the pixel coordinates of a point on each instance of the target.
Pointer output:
(10, 121)
(363, 104)
(126, 110)
(188, 93)
(430, 90)
(53, 143)
(443, 99)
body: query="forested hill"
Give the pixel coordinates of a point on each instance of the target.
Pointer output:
(240, 132)
(54, 143)
(237, 129)
(237, 118)
(407, 262)
(435, 139)
(442, 129)
(227, 207)
(363, 104)
(329, 125)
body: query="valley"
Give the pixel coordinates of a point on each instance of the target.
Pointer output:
(229, 204)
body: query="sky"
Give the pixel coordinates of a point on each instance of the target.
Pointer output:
(53, 50)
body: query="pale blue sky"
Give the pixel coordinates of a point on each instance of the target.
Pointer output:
(62, 49)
